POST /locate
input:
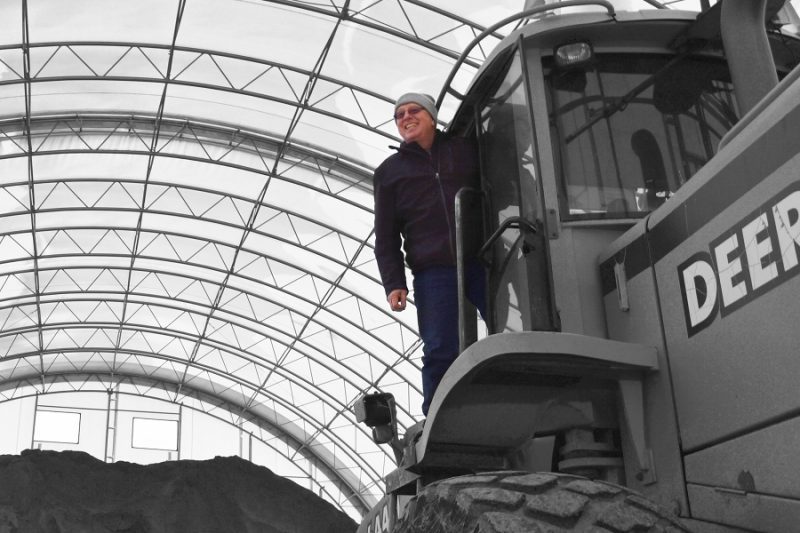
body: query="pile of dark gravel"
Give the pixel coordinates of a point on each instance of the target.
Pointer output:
(66, 492)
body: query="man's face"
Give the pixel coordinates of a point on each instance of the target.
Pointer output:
(413, 122)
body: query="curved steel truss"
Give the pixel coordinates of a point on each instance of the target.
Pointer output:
(332, 477)
(193, 281)
(186, 209)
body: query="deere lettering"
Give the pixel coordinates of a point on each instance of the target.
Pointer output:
(748, 260)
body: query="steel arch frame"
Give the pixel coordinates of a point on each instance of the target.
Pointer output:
(106, 296)
(43, 297)
(242, 408)
(358, 498)
(283, 149)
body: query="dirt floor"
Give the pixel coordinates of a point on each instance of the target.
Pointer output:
(72, 492)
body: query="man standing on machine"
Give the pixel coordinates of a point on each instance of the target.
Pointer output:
(415, 191)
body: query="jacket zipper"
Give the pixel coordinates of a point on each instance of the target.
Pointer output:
(450, 232)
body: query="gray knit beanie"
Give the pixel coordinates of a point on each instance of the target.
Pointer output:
(426, 101)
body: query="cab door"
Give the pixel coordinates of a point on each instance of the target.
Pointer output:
(519, 287)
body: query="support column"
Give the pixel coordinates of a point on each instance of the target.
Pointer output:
(112, 411)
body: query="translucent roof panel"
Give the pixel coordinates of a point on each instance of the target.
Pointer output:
(186, 214)
(259, 30)
(98, 20)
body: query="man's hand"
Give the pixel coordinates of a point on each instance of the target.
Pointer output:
(397, 299)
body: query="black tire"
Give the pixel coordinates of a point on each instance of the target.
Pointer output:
(521, 502)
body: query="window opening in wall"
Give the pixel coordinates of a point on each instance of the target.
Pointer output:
(154, 434)
(57, 426)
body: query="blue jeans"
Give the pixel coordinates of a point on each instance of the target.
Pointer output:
(436, 300)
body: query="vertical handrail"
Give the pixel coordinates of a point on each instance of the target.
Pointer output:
(467, 314)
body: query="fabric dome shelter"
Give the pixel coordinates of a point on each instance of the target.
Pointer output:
(185, 197)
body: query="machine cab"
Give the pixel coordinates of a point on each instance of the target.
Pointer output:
(586, 123)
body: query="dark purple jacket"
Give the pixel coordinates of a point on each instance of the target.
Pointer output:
(415, 200)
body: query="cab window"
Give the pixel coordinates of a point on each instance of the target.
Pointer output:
(629, 129)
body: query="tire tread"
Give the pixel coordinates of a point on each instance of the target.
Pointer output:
(521, 502)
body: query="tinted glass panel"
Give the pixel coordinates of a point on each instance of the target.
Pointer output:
(629, 130)
(518, 282)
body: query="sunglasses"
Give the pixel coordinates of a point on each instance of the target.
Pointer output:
(410, 111)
